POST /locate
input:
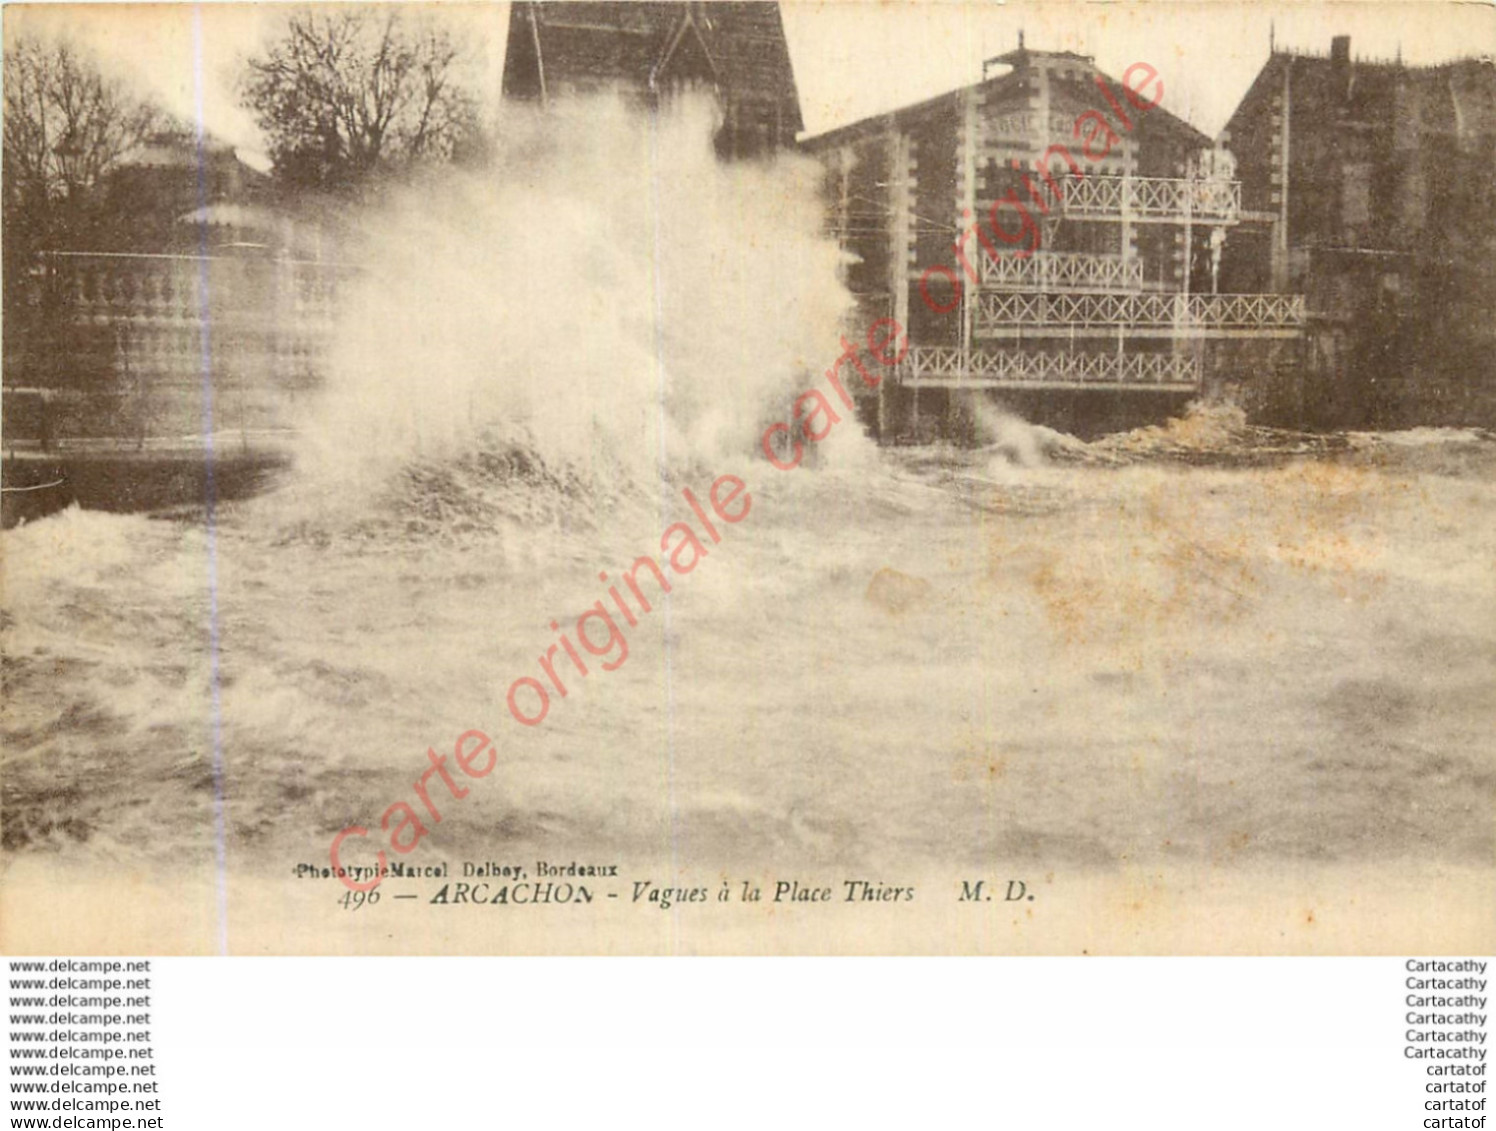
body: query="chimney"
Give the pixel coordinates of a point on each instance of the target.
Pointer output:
(1340, 66)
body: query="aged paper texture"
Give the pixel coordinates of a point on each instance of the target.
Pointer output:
(749, 478)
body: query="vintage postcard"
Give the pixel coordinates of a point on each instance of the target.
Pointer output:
(749, 478)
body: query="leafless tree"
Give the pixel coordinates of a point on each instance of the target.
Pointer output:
(345, 92)
(66, 126)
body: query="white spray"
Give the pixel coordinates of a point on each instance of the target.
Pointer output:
(609, 297)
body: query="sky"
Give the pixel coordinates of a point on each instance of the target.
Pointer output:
(852, 58)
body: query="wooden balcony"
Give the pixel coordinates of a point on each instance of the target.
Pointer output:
(1139, 315)
(1157, 200)
(1062, 271)
(942, 367)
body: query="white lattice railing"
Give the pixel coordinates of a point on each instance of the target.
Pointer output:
(997, 312)
(946, 366)
(1058, 271)
(1152, 198)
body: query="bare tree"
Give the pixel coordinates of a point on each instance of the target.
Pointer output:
(344, 92)
(66, 127)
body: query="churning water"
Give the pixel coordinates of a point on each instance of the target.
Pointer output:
(896, 657)
(609, 301)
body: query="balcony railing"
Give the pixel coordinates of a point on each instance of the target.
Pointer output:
(947, 367)
(1152, 199)
(1062, 271)
(1149, 314)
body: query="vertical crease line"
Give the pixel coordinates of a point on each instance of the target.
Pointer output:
(661, 376)
(210, 493)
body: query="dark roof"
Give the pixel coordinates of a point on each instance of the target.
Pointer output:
(1456, 97)
(179, 147)
(740, 47)
(1021, 61)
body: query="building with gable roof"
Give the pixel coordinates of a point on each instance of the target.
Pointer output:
(1049, 233)
(648, 50)
(1378, 180)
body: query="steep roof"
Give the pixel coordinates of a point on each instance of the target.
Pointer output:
(738, 47)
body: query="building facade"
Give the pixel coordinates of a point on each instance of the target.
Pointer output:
(1052, 234)
(179, 322)
(1380, 183)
